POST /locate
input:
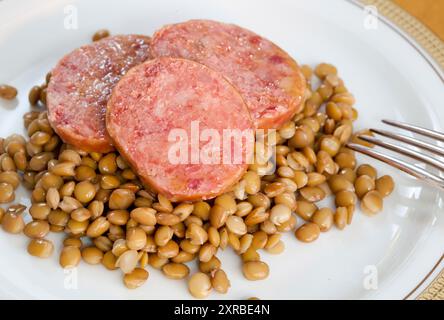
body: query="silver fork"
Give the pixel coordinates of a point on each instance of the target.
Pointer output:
(412, 169)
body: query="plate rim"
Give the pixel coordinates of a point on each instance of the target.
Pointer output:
(431, 48)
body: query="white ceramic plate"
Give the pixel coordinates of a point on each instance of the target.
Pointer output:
(388, 75)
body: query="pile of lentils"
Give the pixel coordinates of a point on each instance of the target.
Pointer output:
(110, 218)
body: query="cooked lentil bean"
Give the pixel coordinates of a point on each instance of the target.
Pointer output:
(184, 210)
(196, 234)
(323, 218)
(100, 34)
(345, 198)
(350, 213)
(218, 216)
(259, 200)
(40, 248)
(250, 255)
(385, 185)
(7, 92)
(233, 241)
(58, 218)
(39, 211)
(127, 261)
(169, 250)
(199, 285)
(175, 271)
(83, 173)
(279, 214)
(220, 281)
(183, 257)
(340, 217)
(372, 202)
(366, 169)
(255, 270)
(223, 238)
(69, 204)
(288, 225)
(56, 229)
(103, 243)
(135, 278)
(208, 266)
(119, 247)
(243, 208)
(272, 241)
(206, 252)
(2, 214)
(245, 242)
(7, 163)
(163, 235)
(6, 192)
(145, 216)
(121, 199)
(36, 229)
(13, 223)
(52, 198)
(11, 178)
(167, 219)
(312, 194)
(109, 261)
(20, 160)
(227, 202)
(305, 209)
(274, 189)
(77, 227)
(98, 227)
(364, 184)
(164, 205)
(49, 180)
(308, 232)
(43, 95)
(74, 242)
(236, 225)
(322, 70)
(157, 262)
(135, 238)
(96, 208)
(276, 249)
(92, 255)
(339, 183)
(16, 208)
(70, 257)
(348, 174)
(118, 217)
(84, 191)
(201, 210)
(252, 182)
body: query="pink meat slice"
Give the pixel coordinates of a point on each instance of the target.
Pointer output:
(167, 94)
(269, 80)
(81, 84)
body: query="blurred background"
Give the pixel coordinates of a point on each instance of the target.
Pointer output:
(429, 12)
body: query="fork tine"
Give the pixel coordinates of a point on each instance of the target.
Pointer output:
(420, 130)
(412, 141)
(405, 151)
(413, 170)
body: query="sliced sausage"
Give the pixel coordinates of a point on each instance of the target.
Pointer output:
(269, 80)
(80, 86)
(161, 97)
